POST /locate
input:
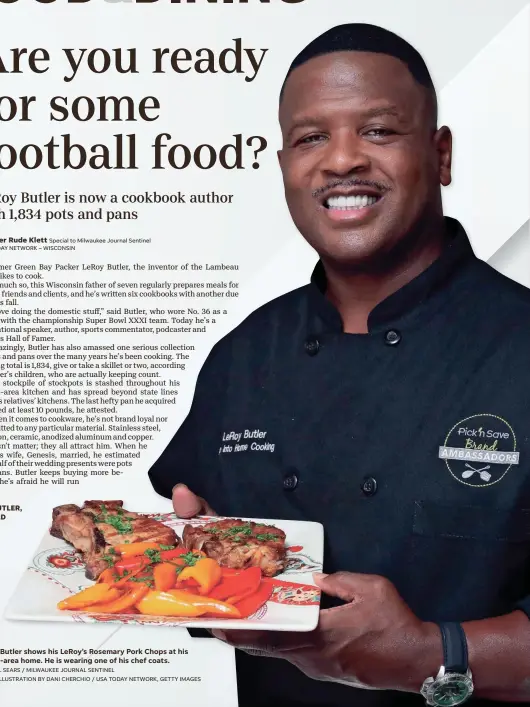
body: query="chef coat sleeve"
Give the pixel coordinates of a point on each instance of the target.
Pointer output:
(179, 462)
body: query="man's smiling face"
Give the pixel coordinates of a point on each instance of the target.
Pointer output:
(362, 161)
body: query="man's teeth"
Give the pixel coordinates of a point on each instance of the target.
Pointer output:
(350, 202)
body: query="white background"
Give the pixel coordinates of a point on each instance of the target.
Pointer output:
(477, 51)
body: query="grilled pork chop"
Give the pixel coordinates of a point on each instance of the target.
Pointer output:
(99, 525)
(239, 544)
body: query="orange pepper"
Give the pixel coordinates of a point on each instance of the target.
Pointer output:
(108, 576)
(156, 603)
(213, 607)
(109, 597)
(189, 589)
(134, 549)
(165, 576)
(90, 595)
(206, 572)
(123, 603)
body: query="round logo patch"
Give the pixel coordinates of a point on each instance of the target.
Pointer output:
(480, 450)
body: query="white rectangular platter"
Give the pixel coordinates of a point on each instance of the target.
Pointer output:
(56, 571)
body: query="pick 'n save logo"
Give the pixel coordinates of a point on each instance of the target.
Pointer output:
(480, 450)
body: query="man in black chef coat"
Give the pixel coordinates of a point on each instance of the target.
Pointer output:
(392, 400)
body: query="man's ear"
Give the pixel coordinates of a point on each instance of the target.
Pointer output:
(443, 140)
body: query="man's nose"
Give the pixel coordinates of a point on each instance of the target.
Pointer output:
(345, 154)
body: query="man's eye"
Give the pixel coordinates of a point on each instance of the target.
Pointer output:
(309, 139)
(379, 132)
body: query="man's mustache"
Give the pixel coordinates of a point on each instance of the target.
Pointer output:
(347, 183)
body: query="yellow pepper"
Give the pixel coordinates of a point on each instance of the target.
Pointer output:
(110, 597)
(91, 595)
(156, 603)
(123, 602)
(206, 572)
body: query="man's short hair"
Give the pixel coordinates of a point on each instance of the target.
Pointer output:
(366, 38)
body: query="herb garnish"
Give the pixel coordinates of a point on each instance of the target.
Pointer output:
(122, 525)
(153, 555)
(167, 547)
(190, 558)
(237, 530)
(266, 536)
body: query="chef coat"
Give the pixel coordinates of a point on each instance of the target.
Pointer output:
(410, 444)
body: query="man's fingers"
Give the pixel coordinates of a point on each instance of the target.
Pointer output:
(354, 587)
(207, 510)
(270, 642)
(250, 642)
(344, 585)
(186, 504)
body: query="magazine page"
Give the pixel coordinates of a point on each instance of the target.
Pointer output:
(263, 306)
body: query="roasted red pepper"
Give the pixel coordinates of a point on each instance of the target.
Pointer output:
(127, 569)
(214, 607)
(130, 564)
(239, 597)
(238, 585)
(229, 571)
(250, 604)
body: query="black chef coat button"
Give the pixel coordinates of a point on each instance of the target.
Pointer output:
(392, 337)
(290, 482)
(312, 346)
(369, 486)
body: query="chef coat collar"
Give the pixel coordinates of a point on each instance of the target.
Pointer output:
(408, 298)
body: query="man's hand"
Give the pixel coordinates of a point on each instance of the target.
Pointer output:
(373, 641)
(188, 505)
